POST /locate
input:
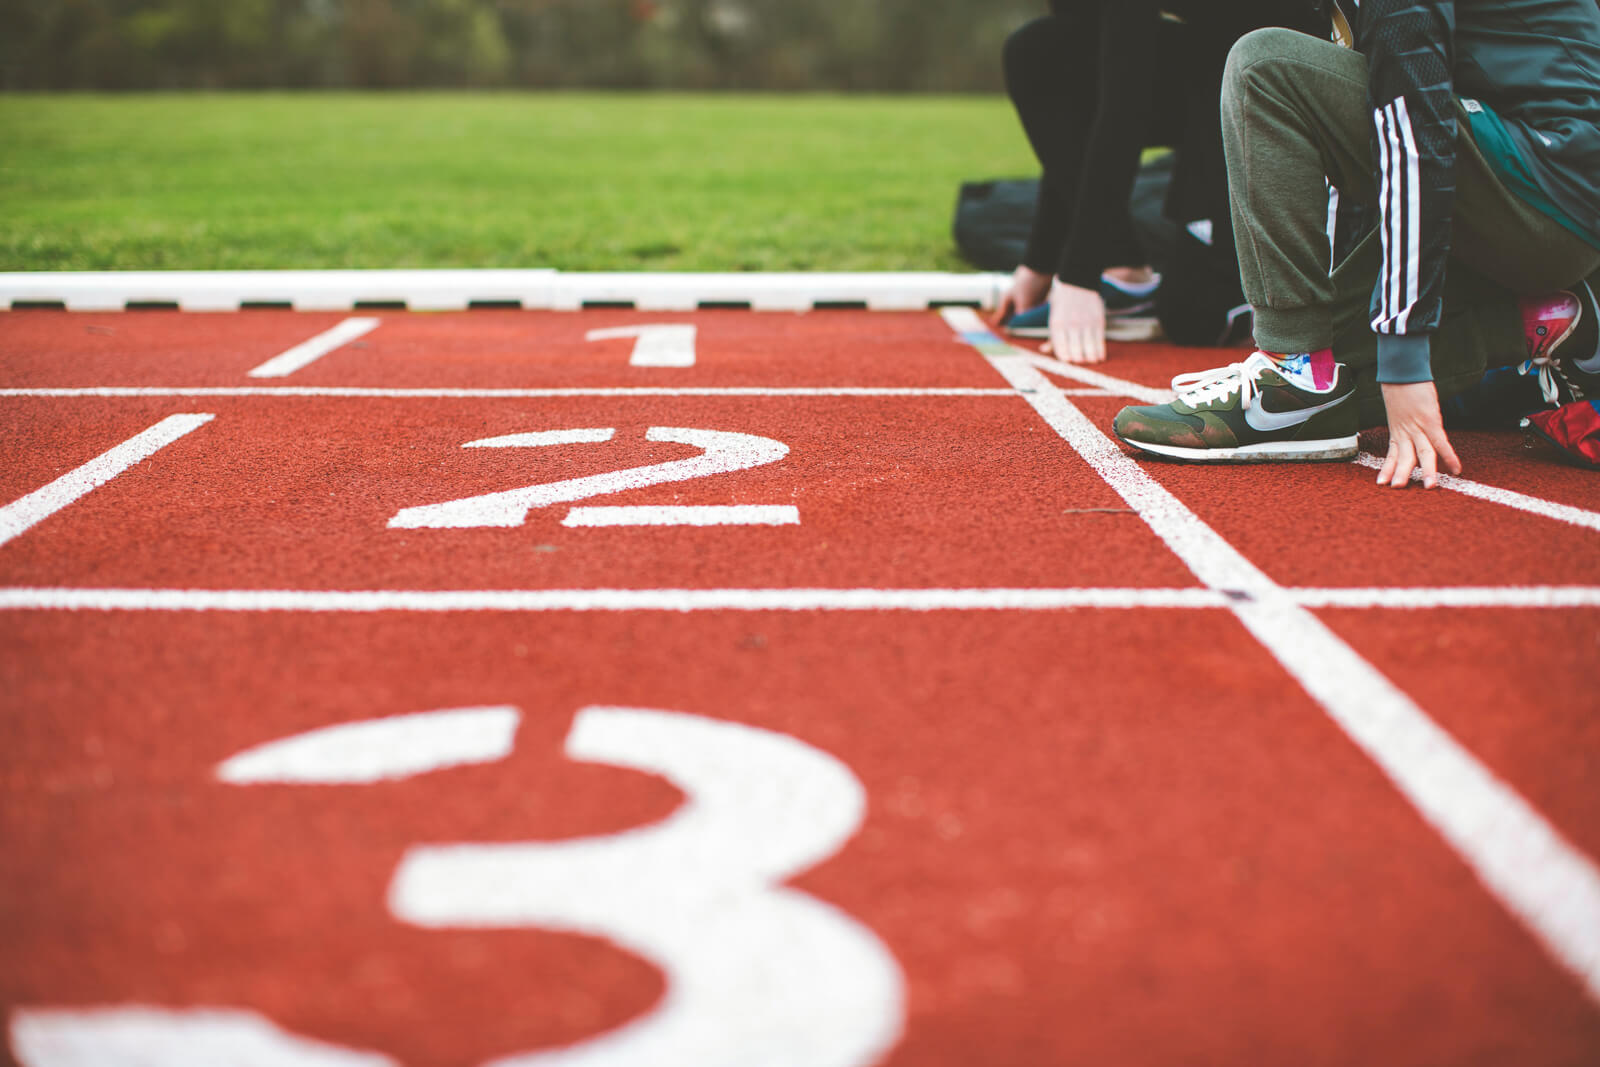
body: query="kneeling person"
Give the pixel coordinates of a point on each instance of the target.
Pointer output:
(1475, 139)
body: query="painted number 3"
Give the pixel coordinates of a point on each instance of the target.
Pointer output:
(756, 972)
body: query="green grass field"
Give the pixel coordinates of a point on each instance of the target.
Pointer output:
(577, 182)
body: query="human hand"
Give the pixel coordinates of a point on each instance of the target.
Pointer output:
(1416, 436)
(1077, 324)
(1028, 290)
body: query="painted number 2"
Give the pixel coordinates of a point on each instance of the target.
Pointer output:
(757, 973)
(722, 452)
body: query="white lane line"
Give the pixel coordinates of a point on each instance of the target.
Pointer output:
(1105, 384)
(1533, 596)
(308, 352)
(27, 512)
(974, 331)
(1523, 861)
(645, 515)
(539, 600)
(1589, 520)
(361, 393)
(777, 599)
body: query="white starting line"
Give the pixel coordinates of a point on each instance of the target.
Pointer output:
(619, 392)
(685, 601)
(1589, 520)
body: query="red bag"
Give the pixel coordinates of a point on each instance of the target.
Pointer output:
(1574, 428)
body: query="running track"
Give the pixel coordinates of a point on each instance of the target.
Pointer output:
(524, 687)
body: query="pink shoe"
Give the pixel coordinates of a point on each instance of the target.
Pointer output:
(1548, 320)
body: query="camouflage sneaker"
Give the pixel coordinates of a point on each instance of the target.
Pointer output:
(1250, 412)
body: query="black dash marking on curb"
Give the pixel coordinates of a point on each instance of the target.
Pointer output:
(38, 305)
(608, 305)
(724, 305)
(494, 305)
(935, 305)
(152, 305)
(1237, 595)
(379, 305)
(840, 305)
(265, 305)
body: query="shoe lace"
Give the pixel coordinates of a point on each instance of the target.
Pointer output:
(1219, 383)
(1550, 378)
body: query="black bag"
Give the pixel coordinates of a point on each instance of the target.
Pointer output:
(992, 221)
(993, 218)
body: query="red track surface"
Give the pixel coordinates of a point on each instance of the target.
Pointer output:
(1120, 835)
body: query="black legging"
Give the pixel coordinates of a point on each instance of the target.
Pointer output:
(1057, 70)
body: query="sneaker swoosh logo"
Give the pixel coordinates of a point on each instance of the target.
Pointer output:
(1266, 421)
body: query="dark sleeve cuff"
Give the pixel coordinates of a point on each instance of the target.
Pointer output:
(1035, 258)
(1074, 270)
(1404, 358)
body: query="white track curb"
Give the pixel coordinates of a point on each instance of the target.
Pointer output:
(458, 290)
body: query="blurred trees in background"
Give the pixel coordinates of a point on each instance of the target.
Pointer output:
(878, 45)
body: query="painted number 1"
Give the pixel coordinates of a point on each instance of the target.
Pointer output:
(654, 346)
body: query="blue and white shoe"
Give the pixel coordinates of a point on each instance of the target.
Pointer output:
(1035, 322)
(1124, 300)
(1130, 314)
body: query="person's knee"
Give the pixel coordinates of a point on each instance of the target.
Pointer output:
(1256, 56)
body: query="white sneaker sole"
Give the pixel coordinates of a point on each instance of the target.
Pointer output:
(1331, 448)
(1133, 330)
(1137, 328)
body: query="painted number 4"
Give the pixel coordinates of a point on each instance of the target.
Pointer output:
(722, 452)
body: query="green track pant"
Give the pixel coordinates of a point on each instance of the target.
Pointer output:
(1294, 111)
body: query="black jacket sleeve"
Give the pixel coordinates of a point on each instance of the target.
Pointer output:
(1410, 89)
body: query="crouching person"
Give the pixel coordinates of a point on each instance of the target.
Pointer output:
(1472, 130)
(1094, 83)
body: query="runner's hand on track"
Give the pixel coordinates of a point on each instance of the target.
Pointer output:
(1077, 324)
(1416, 436)
(1028, 290)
